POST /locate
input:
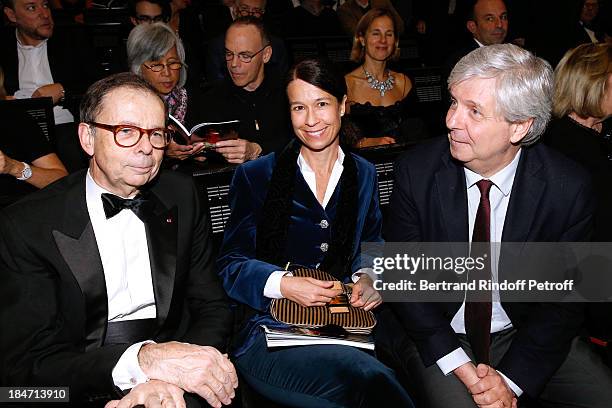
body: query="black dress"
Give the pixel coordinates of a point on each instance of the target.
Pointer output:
(591, 150)
(400, 121)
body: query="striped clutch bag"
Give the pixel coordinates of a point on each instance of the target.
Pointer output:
(337, 312)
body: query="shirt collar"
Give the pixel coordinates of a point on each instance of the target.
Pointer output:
(29, 47)
(479, 43)
(503, 179)
(304, 167)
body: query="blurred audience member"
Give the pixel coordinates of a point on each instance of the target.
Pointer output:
(149, 11)
(588, 16)
(26, 160)
(156, 53)
(582, 100)
(215, 62)
(380, 101)
(39, 61)
(313, 18)
(440, 26)
(253, 94)
(487, 22)
(351, 12)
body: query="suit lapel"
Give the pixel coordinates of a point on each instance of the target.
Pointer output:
(527, 192)
(161, 229)
(77, 245)
(452, 195)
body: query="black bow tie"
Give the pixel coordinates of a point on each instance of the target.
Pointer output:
(113, 205)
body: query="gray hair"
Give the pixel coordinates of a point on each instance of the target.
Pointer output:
(150, 42)
(523, 87)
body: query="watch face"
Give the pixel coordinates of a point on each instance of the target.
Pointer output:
(26, 173)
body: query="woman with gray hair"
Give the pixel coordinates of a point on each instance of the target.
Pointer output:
(157, 54)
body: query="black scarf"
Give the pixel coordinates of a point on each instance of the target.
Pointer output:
(274, 223)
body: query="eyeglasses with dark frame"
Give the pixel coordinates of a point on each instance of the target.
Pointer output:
(151, 19)
(130, 135)
(243, 56)
(245, 10)
(175, 66)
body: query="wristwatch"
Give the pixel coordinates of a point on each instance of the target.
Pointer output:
(26, 173)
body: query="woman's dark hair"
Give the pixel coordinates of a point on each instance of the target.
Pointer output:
(320, 72)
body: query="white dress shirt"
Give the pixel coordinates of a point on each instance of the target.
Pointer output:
(34, 72)
(499, 197)
(272, 287)
(122, 243)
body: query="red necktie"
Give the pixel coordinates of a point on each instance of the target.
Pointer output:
(478, 305)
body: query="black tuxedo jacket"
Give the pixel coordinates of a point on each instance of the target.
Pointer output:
(53, 300)
(551, 201)
(72, 61)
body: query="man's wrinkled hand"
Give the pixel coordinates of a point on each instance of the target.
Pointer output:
(202, 370)
(152, 394)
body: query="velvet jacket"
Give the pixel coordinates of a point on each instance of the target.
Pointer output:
(53, 290)
(244, 277)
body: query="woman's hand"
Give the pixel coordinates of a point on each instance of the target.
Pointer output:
(364, 295)
(182, 152)
(375, 141)
(308, 291)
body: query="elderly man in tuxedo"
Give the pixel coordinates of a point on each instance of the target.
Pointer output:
(489, 181)
(108, 281)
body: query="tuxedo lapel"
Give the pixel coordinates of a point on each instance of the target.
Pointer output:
(77, 245)
(162, 229)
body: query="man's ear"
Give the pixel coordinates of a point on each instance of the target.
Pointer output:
(10, 14)
(86, 137)
(343, 105)
(267, 54)
(520, 130)
(471, 26)
(134, 21)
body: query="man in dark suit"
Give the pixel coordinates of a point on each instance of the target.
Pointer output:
(487, 22)
(108, 280)
(40, 61)
(500, 104)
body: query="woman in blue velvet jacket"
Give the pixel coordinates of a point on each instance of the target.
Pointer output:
(312, 205)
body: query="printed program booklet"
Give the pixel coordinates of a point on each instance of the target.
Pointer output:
(208, 133)
(299, 336)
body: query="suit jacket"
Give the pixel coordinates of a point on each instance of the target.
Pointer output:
(244, 276)
(551, 201)
(71, 59)
(54, 295)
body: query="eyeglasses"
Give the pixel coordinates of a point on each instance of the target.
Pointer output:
(245, 10)
(245, 57)
(151, 19)
(129, 135)
(175, 66)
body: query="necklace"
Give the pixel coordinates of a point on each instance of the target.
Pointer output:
(380, 86)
